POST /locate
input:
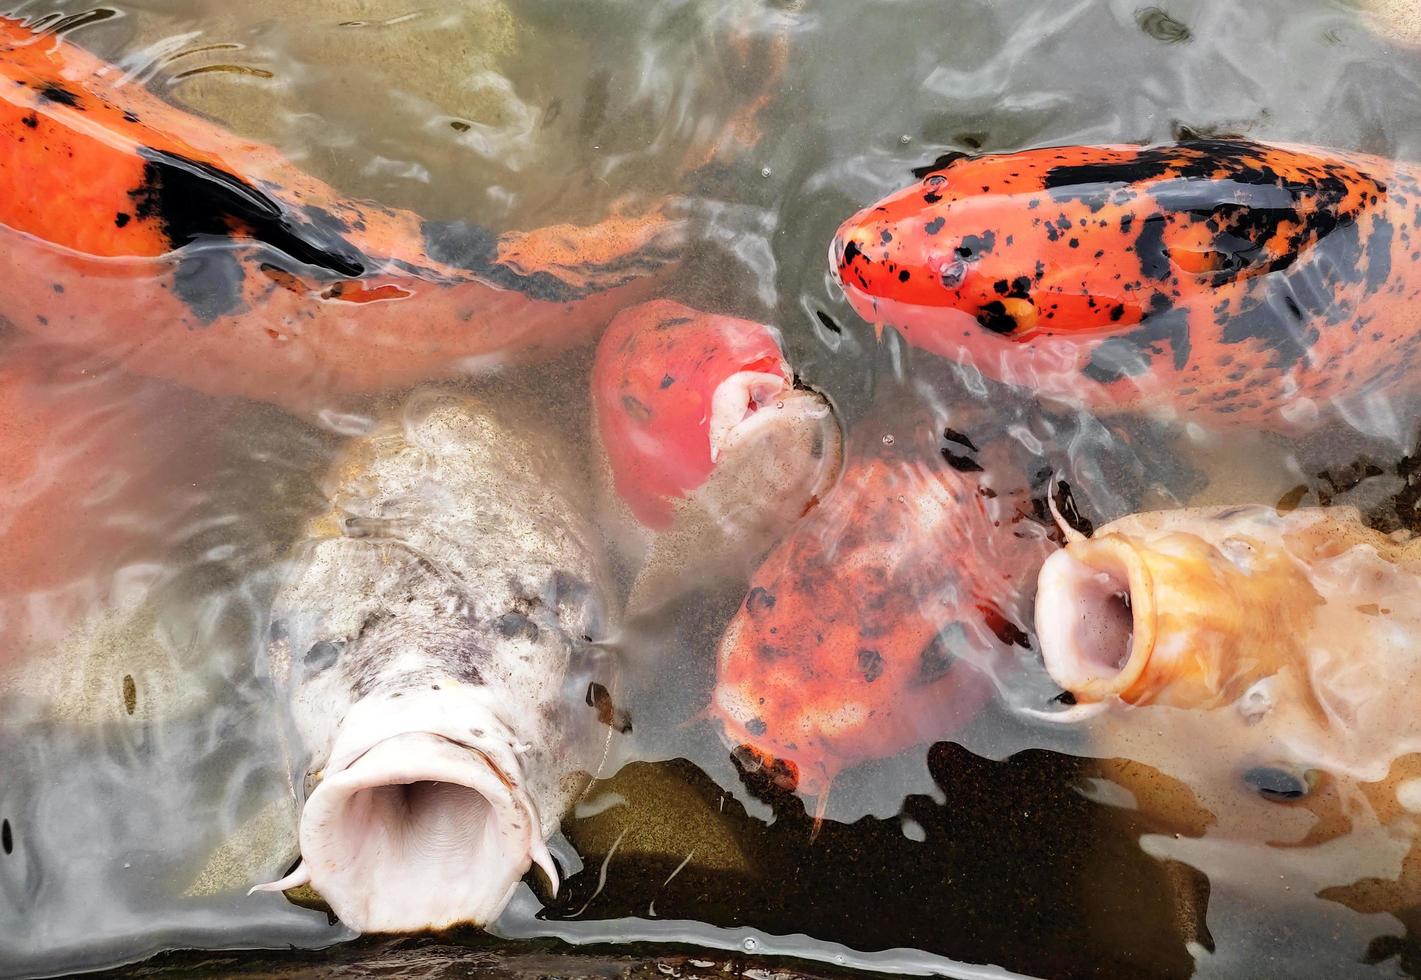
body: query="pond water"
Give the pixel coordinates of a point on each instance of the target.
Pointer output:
(144, 780)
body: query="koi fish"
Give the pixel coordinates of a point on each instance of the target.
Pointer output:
(711, 445)
(879, 622)
(164, 242)
(437, 638)
(1226, 281)
(1251, 675)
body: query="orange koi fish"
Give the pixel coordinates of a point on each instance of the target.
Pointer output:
(131, 228)
(880, 621)
(1225, 281)
(712, 447)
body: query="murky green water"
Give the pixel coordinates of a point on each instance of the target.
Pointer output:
(143, 783)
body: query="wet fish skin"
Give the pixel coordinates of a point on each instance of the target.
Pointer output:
(711, 449)
(1227, 282)
(182, 251)
(882, 619)
(439, 630)
(1260, 686)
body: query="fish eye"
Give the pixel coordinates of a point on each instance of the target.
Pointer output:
(323, 654)
(952, 273)
(935, 180)
(1278, 785)
(513, 625)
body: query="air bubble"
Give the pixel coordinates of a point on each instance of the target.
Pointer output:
(750, 944)
(888, 439)
(905, 139)
(765, 172)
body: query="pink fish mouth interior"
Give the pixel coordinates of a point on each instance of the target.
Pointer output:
(420, 832)
(1091, 615)
(738, 400)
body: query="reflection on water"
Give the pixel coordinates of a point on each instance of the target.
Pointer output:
(145, 786)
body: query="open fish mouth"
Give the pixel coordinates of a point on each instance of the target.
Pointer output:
(1094, 617)
(739, 401)
(418, 830)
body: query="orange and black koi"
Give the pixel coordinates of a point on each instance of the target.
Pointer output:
(880, 620)
(167, 243)
(1228, 281)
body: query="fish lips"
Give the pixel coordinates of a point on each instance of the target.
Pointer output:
(420, 821)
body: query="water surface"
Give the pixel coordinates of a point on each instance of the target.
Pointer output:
(143, 786)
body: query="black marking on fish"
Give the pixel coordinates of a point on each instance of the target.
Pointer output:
(870, 665)
(58, 94)
(209, 278)
(975, 245)
(941, 163)
(962, 439)
(960, 463)
(1131, 354)
(474, 248)
(194, 201)
(1004, 629)
(636, 408)
(937, 658)
(1379, 253)
(759, 600)
(1150, 248)
(994, 317)
(1283, 313)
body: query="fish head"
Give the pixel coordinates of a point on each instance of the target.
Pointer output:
(1244, 672)
(978, 250)
(439, 721)
(713, 447)
(1187, 609)
(876, 625)
(675, 390)
(1101, 275)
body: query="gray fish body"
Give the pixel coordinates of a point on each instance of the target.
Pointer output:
(437, 638)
